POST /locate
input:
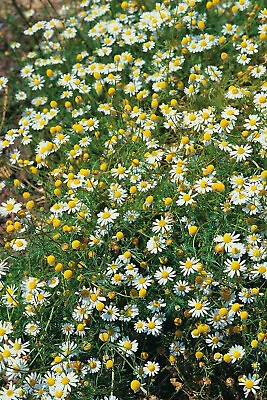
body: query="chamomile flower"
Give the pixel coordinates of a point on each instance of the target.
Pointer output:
(153, 326)
(110, 313)
(181, 288)
(199, 308)
(93, 365)
(156, 244)
(235, 267)
(164, 274)
(259, 270)
(127, 346)
(10, 392)
(236, 352)
(9, 207)
(19, 348)
(151, 368)
(107, 216)
(190, 266)
(203, 185)
(214, 341)
(177, 348)
(186, 198)
(250, 384)
(142, 282)
(155, 305)
(162, 225)
(66, 381)
(241, 153)
(32, 329)
(19, 244)
(258, 71)
(17, 367)
(3, 82)
(227, 240)
(140, 326)
(251, 123)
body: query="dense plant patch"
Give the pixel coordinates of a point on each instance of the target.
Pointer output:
(134, 255)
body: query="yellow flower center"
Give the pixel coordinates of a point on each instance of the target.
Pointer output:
(162, 223)
(186, 197)
(9, 207)
(92, 364)
(32, 285)
(261, 270)
(198, 306)
(2, 332)
(236, 354)
(249, 384)
(188, 264)
(235, 265)
(16, 346)
(65, 380)
(6, 353)
(127, 345)
(227, 238)
(106, 214)
(120, 170)
(165, 274)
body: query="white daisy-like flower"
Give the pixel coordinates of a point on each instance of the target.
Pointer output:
(214, 341)
(142, 282)
(10, 392)
(3, 82)
(19, 244)
(190, 266)
(94, 365)
(227, 240)
(176, 348)
(154, 326)
(9, 207)
(259, 270)
(156, 244)
(127, 346)
(234, 267)
(66, 381)
(198, 308)
(110, 313)
(236, 250)
(164, 274)
(181, 288)
(107, 216)
(162, 225)
(140, 326)
(120, 172)
(32, 329)
(236, 352)
(5, 329)
(151, 368)
(241, 153)
(250, 384)
(252, 122)
(186, 198)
